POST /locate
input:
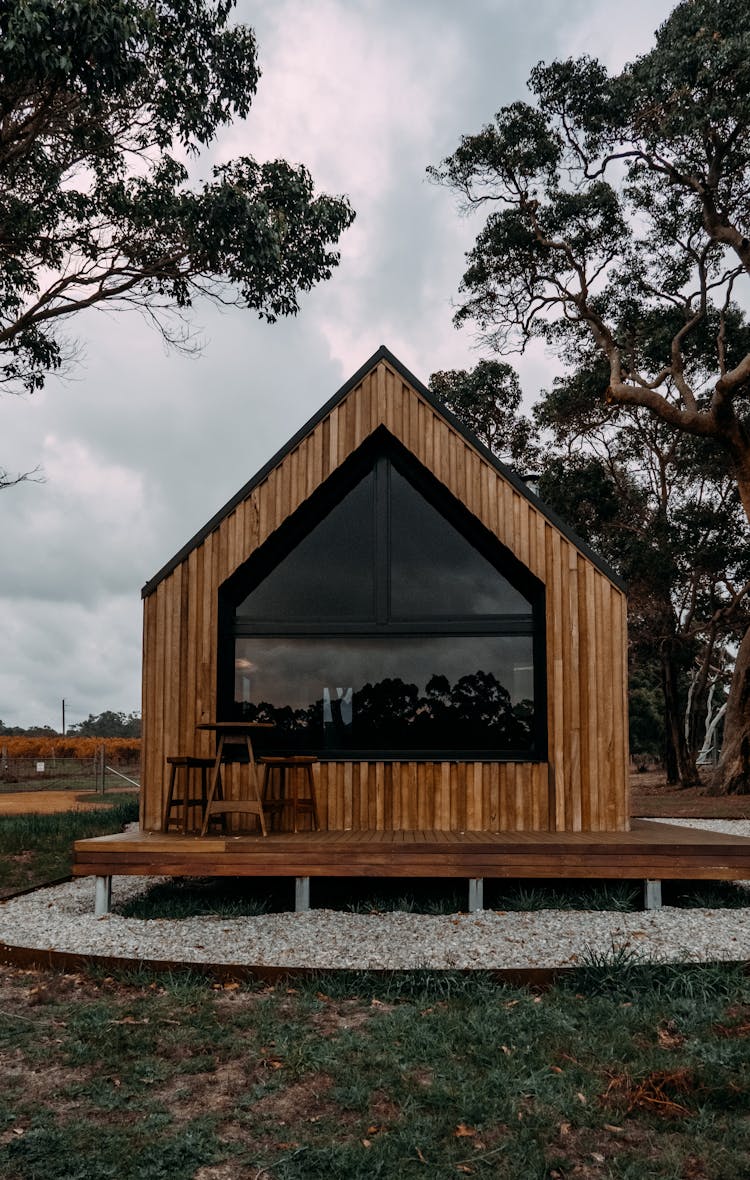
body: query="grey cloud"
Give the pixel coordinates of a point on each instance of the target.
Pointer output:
(177, 436)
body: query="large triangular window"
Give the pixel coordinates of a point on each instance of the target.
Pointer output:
(388, 624)
(329, 574)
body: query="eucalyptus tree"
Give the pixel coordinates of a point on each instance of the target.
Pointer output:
(612, 194)
(657, 508)
(104, 109)
(487, 399)
(667, 516)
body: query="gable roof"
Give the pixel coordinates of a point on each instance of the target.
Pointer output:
(382, 354)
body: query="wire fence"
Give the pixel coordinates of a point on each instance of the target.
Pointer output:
(101, 770)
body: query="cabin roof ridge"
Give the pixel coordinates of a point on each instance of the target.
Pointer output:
(383, 355)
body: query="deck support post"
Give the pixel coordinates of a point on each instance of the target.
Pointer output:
(476, 894)
(301, 895)
(102, 896)
(652, 895)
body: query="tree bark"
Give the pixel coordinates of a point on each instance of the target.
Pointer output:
(679, 763)
(734, 767)
(733, 774)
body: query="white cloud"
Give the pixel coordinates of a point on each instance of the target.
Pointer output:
(79, 653)
(594, 33)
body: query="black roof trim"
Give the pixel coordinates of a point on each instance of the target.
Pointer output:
(382, 354)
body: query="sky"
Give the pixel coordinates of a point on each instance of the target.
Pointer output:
(140, 446)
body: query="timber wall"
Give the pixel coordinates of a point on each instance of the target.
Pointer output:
(583, 786)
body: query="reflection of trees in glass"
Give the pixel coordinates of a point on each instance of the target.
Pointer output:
(474, 713)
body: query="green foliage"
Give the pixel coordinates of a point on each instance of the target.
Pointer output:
(108, 724)
(487, 400)
(31, 731)
(100, 103)
(646, 711)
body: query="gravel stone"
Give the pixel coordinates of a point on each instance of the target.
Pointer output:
(61, 918)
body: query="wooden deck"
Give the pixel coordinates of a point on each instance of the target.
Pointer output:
(650, 850)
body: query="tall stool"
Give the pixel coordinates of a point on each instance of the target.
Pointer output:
(185, 763)
(280, 800)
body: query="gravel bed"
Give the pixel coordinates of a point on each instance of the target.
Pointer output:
(61, 918)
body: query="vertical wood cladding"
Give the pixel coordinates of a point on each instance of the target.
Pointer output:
(583, 786)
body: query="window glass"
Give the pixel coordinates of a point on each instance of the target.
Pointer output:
(388, 692)
(435, 571)
(330, 574)
(375, 658)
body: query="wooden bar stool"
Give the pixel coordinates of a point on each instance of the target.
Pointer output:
(279, 800)
(186, 764)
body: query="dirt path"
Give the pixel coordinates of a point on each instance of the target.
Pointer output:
(651, 797)
(48, 802)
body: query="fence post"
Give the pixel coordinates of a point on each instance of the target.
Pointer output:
(99, 769)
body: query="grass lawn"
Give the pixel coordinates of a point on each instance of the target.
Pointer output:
(619, 1072)
(39, 848)
(622, 1072)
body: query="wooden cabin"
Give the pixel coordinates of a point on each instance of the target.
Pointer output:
(396, 601)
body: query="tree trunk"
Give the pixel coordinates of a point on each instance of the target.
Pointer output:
(733, 777)
(679, 763)
(696, 714)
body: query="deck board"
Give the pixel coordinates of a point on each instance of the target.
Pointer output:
(650, 850)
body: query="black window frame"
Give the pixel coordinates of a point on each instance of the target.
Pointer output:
(383, 448)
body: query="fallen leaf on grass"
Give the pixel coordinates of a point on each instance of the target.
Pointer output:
(654, 1092)
(732, 1030)
(669, 1037)
(463, 1132)
(420, 1157)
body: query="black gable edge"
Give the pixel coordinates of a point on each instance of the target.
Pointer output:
(382, 354)
(508, 473)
